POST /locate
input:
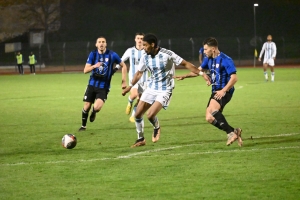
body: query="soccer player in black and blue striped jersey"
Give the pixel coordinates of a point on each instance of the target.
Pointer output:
(201, 55)
(222, 79)
(101, 65)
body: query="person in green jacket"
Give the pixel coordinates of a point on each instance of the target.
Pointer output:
(32, 62)
(19, 58)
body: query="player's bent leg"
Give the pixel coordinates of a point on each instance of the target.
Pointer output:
(85, 114)
(98, 104)
(210, 119)
(208, 116)
(265, 67)
(152, 117)
(139, 123)
(215, 107)
(272, 73)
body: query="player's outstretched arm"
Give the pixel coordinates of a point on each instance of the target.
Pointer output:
(194, 71)
(135, 79)
(124, 74)
(190, 67)
(189, 75)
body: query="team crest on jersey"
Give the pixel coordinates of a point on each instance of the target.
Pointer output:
(217, 65)
(106, 59)
(101, 59)
(215, 77)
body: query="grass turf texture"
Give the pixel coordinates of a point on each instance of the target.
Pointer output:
(190, 161)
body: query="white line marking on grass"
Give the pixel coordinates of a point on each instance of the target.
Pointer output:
(140, 154)
(155, 150)
(240, 87)
(229, 151)
(280, 135)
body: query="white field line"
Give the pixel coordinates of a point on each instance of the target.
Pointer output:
(228, 151)
(140, 154)
(155, 150)
(273, 136)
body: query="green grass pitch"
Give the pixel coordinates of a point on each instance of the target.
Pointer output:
(190, 161)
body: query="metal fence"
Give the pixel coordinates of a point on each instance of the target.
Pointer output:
(240, 49)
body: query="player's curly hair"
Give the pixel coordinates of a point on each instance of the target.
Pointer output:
(211, 41)
(150, 38)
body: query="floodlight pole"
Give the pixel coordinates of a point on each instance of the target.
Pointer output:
(40, 56)
(254, 60)
(64, 55)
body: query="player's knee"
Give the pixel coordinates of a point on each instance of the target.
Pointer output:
(97, 108)
(209, 118)
(87, 106)
(150, 115)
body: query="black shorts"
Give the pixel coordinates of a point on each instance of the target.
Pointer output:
(223, 101)
(92, 93)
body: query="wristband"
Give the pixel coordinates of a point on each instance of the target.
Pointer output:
(200, 73)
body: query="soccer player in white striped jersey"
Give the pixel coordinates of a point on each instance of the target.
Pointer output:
(269, 48)
(134, 55)
(159, 62)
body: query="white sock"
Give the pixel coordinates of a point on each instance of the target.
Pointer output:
(139, 124)
(155, 122)
(266, 75)
(130, 100)
(272, 76)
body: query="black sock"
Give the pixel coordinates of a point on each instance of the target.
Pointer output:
(222, 121)
(85, 115)
(94, 110)
(216, 124)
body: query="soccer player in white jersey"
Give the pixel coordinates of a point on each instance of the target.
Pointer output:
(159, 62)
(269, 48)
(134, 55)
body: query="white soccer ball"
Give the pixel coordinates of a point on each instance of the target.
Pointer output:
(69, 141)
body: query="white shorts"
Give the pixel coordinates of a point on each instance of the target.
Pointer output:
(163, 97)
(141, 87)
(269, 61)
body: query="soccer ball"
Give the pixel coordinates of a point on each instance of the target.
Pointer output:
(69, 141)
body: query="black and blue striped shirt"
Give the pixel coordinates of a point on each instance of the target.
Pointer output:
(101, 77)
(221, 68)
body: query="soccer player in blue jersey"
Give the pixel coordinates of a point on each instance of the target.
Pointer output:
(223, 77)
(101, 65)
(160, 62)
(201, 55)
